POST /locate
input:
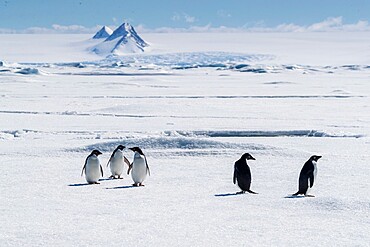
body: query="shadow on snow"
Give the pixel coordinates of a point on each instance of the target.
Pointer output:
(228, 194)
(297, 196)
(77, 185)
(122, 187)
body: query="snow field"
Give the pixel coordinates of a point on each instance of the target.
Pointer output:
(193, 124)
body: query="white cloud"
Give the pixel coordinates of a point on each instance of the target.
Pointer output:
(115, 20)
(189, 19)
(332, 24)
(72, 29)
(223, 13)
(176, 17)
(183, 17)
(55, 28)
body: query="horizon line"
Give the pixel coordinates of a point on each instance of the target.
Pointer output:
(331, 24)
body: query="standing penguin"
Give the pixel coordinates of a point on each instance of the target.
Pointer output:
(242, 173)
(92, 167)
(139, 167)
(116, 162)
(307, 175)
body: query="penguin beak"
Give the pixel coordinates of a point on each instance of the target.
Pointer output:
(318, 157)
(252, 158)
(131, 149)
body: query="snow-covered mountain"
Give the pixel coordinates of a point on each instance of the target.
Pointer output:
(104, 32)
(122, 41)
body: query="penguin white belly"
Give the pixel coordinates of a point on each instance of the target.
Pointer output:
(314, 170)
(314, 177)
(139, 169)
(92, 170)
(116, 164)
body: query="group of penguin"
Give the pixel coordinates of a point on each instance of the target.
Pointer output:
(139, 167)
(139, 170)
(307, 176)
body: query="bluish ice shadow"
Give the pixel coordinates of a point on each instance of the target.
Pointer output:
(228, 194)
(122, 187)
(295, 197)
(77, 185)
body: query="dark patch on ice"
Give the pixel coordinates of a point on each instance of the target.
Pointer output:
(254, 70)
(278, 83)
(234, 97)
(28, 71)
(261, 133)
(352, 67)
(182, 143)
(240, 66)
(113, 73)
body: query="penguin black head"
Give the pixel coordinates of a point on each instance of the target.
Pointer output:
(96, 152)
(137, 149)
(247, 156)
(121, 147)
(315, 157)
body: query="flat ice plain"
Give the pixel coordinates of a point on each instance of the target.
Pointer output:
(194, 103)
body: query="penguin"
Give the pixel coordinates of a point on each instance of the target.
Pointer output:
(307, 176)
(242, 174)
(139, 167)
(92, 167)
(116, 162)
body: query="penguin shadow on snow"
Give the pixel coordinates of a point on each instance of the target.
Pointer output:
(122, 187)
(294, 197)
(229, 194)
(78, 185)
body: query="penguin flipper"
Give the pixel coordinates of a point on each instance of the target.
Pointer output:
(83, 168)
(234, 177)
(129, 169)
(111, 157)
(147, 167)
(82, 172)
(311, 179)
(101, 170)
(126, 161)
(303, 184)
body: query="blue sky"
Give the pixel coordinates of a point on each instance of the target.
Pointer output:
(152, 14)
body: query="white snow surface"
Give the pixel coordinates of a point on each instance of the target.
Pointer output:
(194, 107)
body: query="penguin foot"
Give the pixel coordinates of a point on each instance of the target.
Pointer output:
(240, 192)
(140, 184)
(135, 185)
(309, 196)
(112, 177)
(93, 183)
